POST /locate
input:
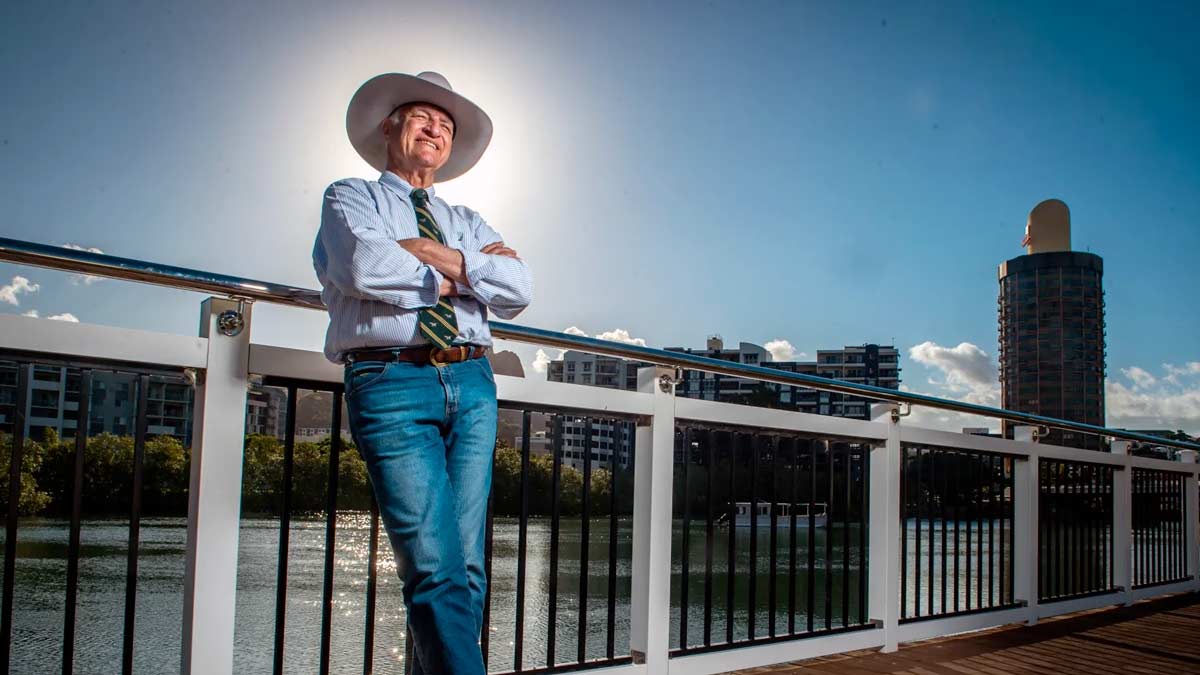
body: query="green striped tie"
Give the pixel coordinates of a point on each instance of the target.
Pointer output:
(436, 323)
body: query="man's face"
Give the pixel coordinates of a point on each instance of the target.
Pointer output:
(419, 136)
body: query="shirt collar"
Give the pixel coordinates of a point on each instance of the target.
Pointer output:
(402, 186)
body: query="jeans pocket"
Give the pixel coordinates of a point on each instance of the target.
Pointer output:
(364, 374)
(486, 367)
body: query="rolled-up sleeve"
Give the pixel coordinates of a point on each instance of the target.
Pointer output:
(503, 284)
(356, 254)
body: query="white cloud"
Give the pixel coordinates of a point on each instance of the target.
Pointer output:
(65, 316)
(1175, 372)
(1140, 378)
(85, 279)
(1160, 407)
(781, 350)
(947, 420)
(541, 361)
(966, 370)
(19, 284)
(621, 335)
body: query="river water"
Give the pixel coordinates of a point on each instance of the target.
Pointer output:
(41, 583)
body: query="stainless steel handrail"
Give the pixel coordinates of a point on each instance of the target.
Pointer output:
(97, 264)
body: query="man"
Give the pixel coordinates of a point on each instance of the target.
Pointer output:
(408, 281)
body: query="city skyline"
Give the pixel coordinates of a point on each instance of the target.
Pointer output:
(879, 175)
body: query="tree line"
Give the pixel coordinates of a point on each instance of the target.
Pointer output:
(48, 477)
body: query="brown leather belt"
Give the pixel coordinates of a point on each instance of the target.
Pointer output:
(420, 355)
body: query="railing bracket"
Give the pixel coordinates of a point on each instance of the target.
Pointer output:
(896, 414)
(231, 322)
(667, 383)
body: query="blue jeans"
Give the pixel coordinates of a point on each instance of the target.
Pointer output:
(427, 435)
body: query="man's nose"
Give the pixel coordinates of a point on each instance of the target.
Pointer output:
(432, 129)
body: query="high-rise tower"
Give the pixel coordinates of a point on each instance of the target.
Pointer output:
(1052, 328)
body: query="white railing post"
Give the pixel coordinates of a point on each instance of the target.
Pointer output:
(1122, 522)
(885, 527)
(1190, 521)
(650, 620)
(214, 496)
(1026, 500)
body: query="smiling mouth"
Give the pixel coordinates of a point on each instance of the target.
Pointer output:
(429, 144)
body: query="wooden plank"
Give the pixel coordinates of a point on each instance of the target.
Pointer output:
(1158, 637)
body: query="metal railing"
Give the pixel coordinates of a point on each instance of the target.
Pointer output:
(957, 548)
(84, 262)
(758, 536)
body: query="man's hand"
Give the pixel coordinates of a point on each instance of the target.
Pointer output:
(444, 259)
(498, 248)
(447, 289)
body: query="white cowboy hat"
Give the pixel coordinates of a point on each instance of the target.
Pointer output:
(382, 94)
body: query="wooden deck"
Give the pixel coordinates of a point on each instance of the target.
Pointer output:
(1158, 636)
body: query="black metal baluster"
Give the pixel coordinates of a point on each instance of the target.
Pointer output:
(81, 434)
(1093, 556)
(969, 464)
(1056, 547)
(957, 509)
(1138, 515)
(1042, 535)
(15, 458)
(1151, 529)
(795, 443)
(991, 521)
(1160, 526)
(1076, 534)
(944, 493)
(828, 446)
(905, 476)
(372, 590)
(863, 515)
(1110, 554)
(687, 542)
(773, 444)
(1001, 517)
(485, 637)
(931, 511)
(522, 548)
(731, 554)
(331, 493)
(812, 534)
(981, 511)
(846, 541)
(919, 490)
(709, 534)
(584, 542)
(1101, 543)
(555, 515)
(135, 525)
(1179, 520)
(752, 588)
(1012, 529)
(614, 467)
(285, 525)
(1071, 544)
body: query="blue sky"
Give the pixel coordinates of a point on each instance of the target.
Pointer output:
(824, 174)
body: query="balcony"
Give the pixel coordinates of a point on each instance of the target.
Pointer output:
(841, 534)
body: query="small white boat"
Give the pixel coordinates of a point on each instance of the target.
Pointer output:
(783, 514)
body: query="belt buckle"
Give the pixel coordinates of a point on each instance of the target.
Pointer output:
(433, 358)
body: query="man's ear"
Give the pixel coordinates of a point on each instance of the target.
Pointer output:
(386, 126)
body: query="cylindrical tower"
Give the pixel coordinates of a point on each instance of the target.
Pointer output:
(1052, 328)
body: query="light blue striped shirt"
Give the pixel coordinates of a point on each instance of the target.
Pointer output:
(373, 287)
